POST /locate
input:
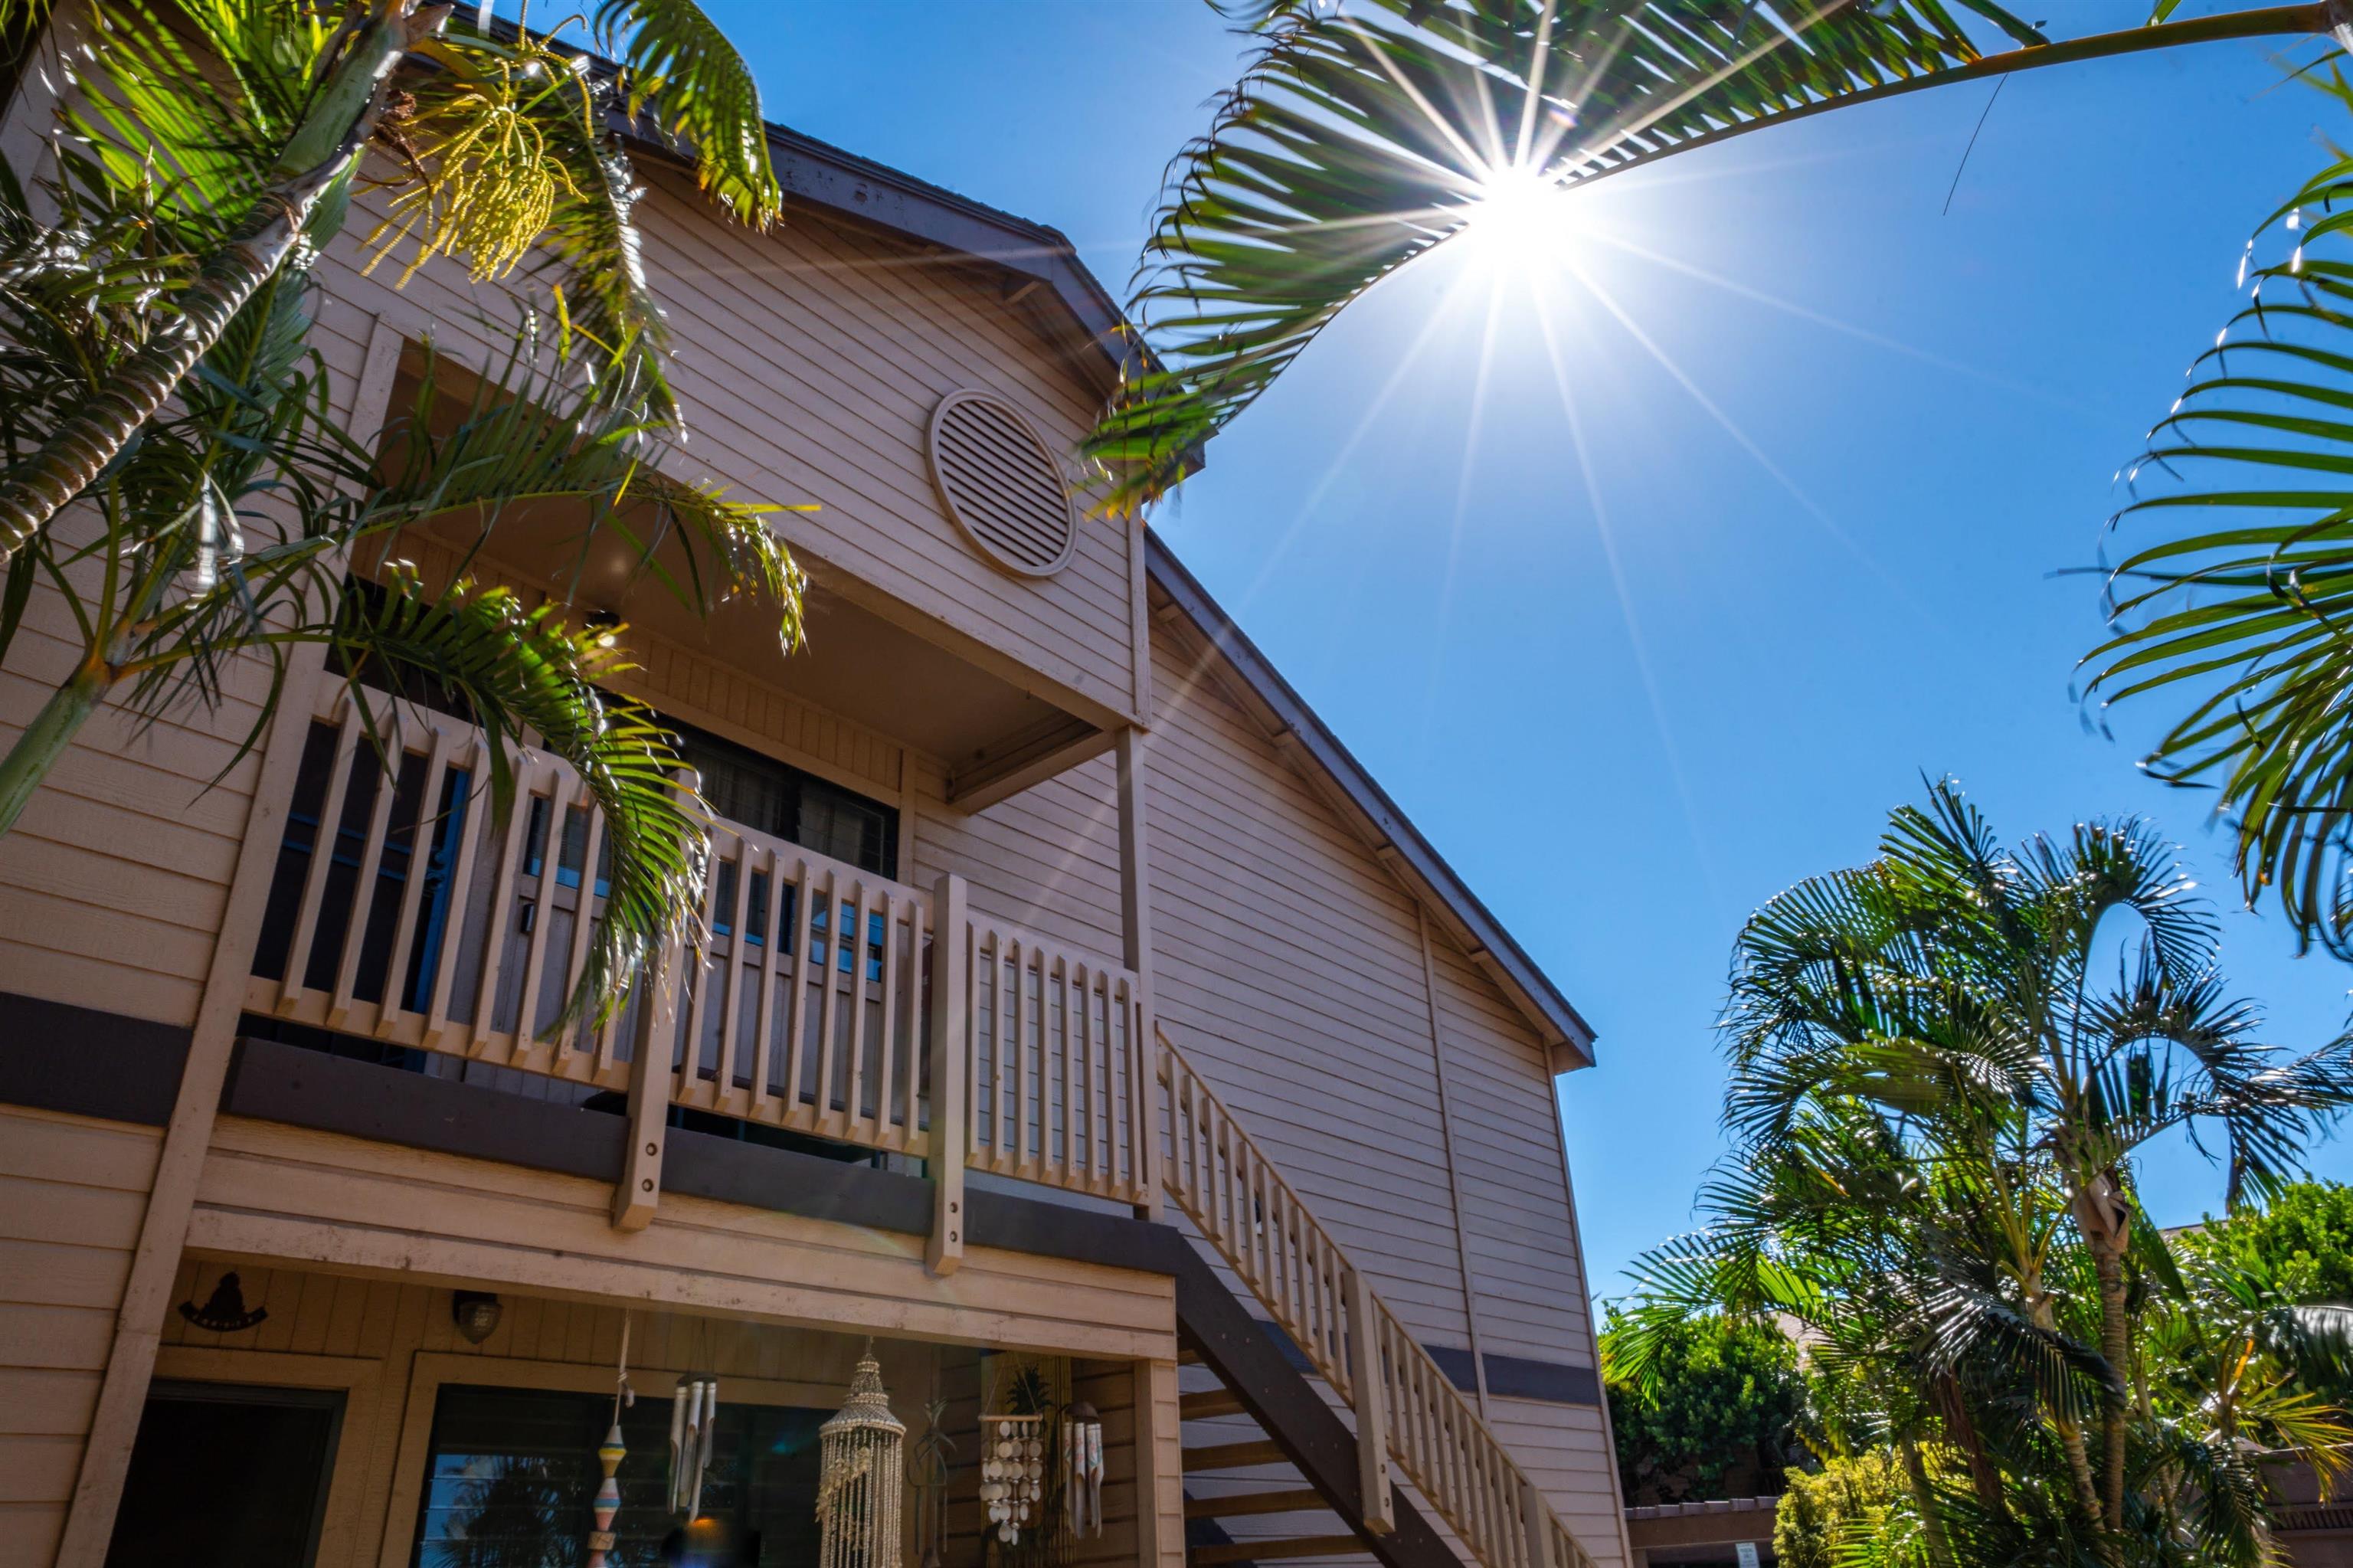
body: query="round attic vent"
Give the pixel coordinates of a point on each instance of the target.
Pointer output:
(1001, 484)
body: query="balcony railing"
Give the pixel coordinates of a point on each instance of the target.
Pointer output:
(402, 913)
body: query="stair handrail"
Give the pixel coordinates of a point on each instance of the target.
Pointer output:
(1215, 1172)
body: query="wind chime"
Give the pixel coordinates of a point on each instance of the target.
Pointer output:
(693, 1426)
(609, 1455)
(1083, 1468)
(1012, 1471)
(861, 1468)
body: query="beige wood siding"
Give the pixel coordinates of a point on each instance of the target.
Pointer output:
(807, 362)
(72, 1192)
(391, 1343)
(1289, 969)
(357, 1206)
(1047, 860)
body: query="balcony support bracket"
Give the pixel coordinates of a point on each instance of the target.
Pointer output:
(638, 1189)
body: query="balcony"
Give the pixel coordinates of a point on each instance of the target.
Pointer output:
(817, 999)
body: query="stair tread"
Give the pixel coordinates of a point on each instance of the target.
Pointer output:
(1208, 1404)
(1233, 1455)
(1262, 1550)
(1289, 1499)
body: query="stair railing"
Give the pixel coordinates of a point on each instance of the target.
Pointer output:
(1407, 1408)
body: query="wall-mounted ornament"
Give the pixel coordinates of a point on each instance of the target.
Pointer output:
(861, 1471)
(223, 1312)
(609, 1455)
(1083, 1468)
(927, 1478)
(693, 1428)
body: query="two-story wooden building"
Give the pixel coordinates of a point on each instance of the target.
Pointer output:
(1078, 1023)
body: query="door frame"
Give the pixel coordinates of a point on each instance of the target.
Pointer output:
(335, 1402)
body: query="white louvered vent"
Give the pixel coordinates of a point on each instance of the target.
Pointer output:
(1001, 484)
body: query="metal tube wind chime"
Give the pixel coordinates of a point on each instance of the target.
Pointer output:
(860, 1476)
(1082, 1469)
(693, 1428)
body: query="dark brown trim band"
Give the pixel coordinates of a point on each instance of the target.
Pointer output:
(58, 1057)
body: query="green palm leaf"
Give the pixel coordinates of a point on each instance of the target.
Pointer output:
(681, 66)
(2236, 589)
(518, 671)
(1360, 137)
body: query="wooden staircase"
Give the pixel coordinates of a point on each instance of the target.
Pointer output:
(1263, 1444)
(1260, 1441)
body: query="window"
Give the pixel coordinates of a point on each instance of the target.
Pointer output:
(511, 1476)
(777, 799)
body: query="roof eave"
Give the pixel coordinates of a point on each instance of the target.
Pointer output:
(1563, 1028)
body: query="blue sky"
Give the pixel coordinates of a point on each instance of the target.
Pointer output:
(1835, 444)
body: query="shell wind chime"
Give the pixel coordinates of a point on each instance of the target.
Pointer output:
(861, 1470)
(1013, 1472)
(693, 1428)
(1083, 1468)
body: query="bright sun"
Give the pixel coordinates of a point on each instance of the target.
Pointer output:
(1521, 216)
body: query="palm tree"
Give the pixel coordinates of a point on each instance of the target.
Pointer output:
(1942, 1064)
(250, 119)
(1364, 133)
(2235, 588)
(154, 307)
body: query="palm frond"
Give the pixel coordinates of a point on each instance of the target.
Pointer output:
(681, 66)
(1359, 137)
(518, 671)
(2239, 601)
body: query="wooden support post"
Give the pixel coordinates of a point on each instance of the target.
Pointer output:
(951, 1045)
(170, 1202)
(1135, 947)
(1159, 1469)
(1370, 1384)
(1538, 1521)
(651, 1079)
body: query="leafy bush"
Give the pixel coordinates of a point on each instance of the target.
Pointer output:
(1713, 1416)
(1848, 1499)
(2305, 1236)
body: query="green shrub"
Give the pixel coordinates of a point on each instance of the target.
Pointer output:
(1713, 1420)
(2304, 1237)
(1848, 1498)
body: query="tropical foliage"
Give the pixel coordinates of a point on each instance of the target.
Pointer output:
(156, 374)
(1716, 1417)
(1942, 1064)
(1825, 1512)
(1362, 135)
(2304, 1237)
(2232, 593)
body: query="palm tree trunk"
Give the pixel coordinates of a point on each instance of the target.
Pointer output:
(2116, 1346)
(320, 154)
(1924, 1497)
(45, 740)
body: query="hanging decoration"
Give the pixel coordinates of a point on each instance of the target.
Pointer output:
(224, 1311)
(609, 1455)
(693, 1425)
(1022, 1467)
(1082, 1469)
(1012, 1471)
(861, 1467)
(927, 1478)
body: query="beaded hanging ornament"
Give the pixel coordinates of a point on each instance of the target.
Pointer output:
(860, 1475)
